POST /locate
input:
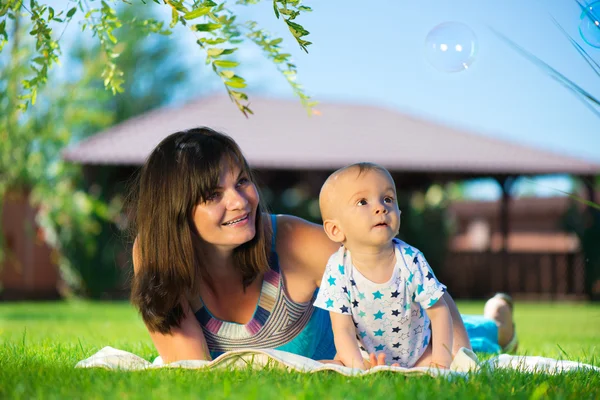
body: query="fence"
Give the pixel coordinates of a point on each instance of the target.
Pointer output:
(523, 275)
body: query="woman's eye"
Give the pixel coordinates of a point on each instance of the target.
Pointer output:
(361, 202)
(212, 196)
(243, 181)
(388, 199)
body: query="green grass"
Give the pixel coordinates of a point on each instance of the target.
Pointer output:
(41, 342)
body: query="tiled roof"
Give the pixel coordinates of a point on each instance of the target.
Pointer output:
(281, 135)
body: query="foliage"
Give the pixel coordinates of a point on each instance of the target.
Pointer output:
(215, 26)
(30, 156)
(81, 216)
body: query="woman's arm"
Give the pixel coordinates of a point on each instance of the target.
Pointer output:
(441, 333)
(185, 342)
(344, 334)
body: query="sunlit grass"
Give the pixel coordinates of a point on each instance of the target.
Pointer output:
(40, 343)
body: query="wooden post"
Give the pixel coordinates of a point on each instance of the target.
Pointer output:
(506, 183)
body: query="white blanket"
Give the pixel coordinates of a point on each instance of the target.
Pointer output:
(464, 362)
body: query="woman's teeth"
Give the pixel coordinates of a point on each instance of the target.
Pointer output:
(235, 221)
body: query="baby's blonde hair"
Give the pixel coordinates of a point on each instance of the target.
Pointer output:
(324, 195)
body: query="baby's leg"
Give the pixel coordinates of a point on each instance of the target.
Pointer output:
(425, 359)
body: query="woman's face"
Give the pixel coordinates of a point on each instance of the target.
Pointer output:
(227, 218)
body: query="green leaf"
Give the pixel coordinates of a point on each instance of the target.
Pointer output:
(225, 63)
(174, 18)
(212, 41)
(285, 11)
(275, 42)
(238, 84)
(111, 37)
(198, 12)
(238, 95)
(214, 52)
(206, 27)
(298, 28)
(275, 9)
(71, 12)
(50, 13)
(228, 74)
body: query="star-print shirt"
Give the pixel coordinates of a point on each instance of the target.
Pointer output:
(389, 317)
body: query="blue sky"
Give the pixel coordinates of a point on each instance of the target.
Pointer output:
(373, 53)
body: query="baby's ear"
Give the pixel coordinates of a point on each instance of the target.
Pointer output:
(333, 230)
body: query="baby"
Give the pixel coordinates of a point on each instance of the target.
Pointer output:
(381, 293)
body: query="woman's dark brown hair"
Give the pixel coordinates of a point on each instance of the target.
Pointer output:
(181, 172)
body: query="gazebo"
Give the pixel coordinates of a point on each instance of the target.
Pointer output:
(287, 145)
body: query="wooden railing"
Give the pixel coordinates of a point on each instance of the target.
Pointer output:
(478, 275)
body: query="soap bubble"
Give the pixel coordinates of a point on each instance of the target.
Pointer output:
(589, 27)
(451, 47)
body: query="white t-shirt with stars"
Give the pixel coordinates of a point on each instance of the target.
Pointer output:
(389, 317)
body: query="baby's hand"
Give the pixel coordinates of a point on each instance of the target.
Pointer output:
(376, 360)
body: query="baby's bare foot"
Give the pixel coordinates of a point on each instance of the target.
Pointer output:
(500, 309)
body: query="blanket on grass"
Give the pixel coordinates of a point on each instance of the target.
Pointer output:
(464, 362)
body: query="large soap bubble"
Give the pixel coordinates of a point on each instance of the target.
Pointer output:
(451, 47)
(589, 27)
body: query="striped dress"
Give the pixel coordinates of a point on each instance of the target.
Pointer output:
(277, 323)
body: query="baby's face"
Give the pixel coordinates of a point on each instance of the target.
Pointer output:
(366, 208)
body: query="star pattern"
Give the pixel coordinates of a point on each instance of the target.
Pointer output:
(384, 322)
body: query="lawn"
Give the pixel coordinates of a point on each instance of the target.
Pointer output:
(41, 342)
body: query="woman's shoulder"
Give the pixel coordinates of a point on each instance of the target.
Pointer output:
(303, 244)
